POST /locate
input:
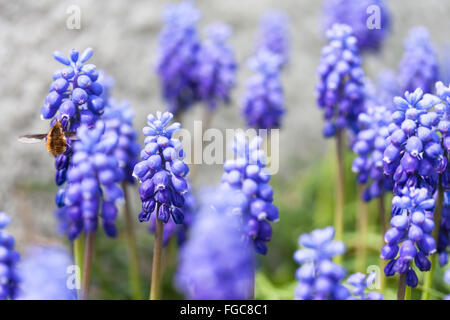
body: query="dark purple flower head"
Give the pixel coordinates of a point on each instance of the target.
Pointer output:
(93, 179)
(357, 15)
(248, 180)
(263, 100)
(162, 170)
(215, 264)
(178, 47)
(359, 283)
(419, 67)
(414, 156)
(216, 66)
(74, 92)
(172, 229)
(9, 278)
(274, 34)
(340, 90)
(410, 236)
(444, 231)
(369, 146)
(318, 277)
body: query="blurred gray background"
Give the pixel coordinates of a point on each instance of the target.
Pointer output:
(124, 37)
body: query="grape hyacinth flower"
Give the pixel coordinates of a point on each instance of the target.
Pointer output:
(357, 15)
(44, 275)
(410, 236)
(118, 118)
(340, 90)
(162, 170)
(162, 173)
(74, 92)
(359, 283)
(93, 182)
(414, 156)
(178, 47)
(74, 99)
(9, 278)
(172, 229)
(253, 196)
(442, 107)
(263, 100)
(274, 34)
(216, 66)
(369, 147)
(419, 67)
(215, 264)
(318, 277)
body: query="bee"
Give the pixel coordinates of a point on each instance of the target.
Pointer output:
(56, 139)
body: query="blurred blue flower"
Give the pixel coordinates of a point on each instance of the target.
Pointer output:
(359, 283)
(447, 280)
(369, 146)
(93, 182)
(419, 67)
(357, 16)
(216, 66)
(248, 180)
(274, 34)
(318, 277)
(9, 278)
(118, 118)
(215, 264)
(444, 65)
(177, 50)
(162, 170)
(387, 88)
(340, 89)
(263, 100)
(45, 275)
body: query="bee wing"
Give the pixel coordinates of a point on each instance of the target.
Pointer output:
(72, 135)
(32, 138)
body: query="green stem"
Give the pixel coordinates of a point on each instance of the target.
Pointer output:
(428, 281)
(78, 251)
(408, 293)
(87, 264)
(133, 269)
(362, 232)
(155, 290)
(339, 213)
(401, 287)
